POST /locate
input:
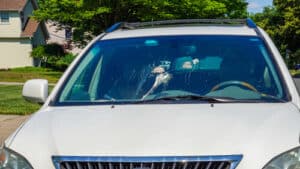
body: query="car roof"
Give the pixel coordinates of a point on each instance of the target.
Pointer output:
(240, 30)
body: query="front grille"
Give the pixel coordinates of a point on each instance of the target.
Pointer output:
(209, 162)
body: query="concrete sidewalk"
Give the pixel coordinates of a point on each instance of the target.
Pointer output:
(8, 124)
(11, 83)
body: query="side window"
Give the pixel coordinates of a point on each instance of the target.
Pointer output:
(4, 17)
(81, 85)
(78, 87)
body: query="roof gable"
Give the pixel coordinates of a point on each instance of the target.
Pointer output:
(32, 26)
(12, 5)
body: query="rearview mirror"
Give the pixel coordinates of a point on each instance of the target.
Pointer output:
(35, 90)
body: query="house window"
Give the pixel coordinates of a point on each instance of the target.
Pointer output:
(4, 17)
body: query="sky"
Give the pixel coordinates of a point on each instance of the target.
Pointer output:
(258, 5)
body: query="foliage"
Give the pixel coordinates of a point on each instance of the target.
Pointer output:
(269, 21)
(47, 52)
(63, 62)
(290, 29)
(89, 18)
(282, 22)
(53, 56)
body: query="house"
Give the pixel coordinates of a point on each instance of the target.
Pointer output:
(63, 37)
(19, 33)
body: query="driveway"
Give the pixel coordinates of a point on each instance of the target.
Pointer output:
(8, 124)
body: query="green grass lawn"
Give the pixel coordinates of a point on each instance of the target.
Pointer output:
(12, 102)
(27, 73)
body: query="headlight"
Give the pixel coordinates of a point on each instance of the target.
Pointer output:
(288, 160)
(12, 160)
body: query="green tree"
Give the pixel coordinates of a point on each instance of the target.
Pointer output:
(235, 8)
(282, 22)
(290, 28)
(269, 20)
(90, 17)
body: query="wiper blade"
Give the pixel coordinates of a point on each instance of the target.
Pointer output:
(273, 98)
(208, 99)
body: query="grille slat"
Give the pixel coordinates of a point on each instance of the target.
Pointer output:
(163, 166)
(185, 165)
(174, 165)
(197, 165)
(78, 165)
(100, 166)
(90, 166)
(131, 166)
(208, 166)
(68, 166)
(221, 165)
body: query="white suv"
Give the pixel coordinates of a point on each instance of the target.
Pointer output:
(181, 94)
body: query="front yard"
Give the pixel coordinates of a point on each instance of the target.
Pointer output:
(23, 74)
(12, 102)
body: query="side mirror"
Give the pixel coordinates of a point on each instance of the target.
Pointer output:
(35, 90)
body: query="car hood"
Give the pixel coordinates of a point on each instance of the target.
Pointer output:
(257, 131)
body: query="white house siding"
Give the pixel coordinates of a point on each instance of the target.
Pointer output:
(15, 53)
(13, 28)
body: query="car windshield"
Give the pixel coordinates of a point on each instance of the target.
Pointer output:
(148, 68)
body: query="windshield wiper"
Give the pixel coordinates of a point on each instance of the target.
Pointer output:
(208, 99)
(272, 98)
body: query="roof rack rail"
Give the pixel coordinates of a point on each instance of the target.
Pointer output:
(135, 25)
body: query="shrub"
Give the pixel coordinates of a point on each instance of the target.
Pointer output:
(52, 56)
(63, 62)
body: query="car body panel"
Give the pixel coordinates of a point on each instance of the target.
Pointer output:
(161, 130)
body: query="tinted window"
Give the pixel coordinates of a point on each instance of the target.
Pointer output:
(145, 68)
